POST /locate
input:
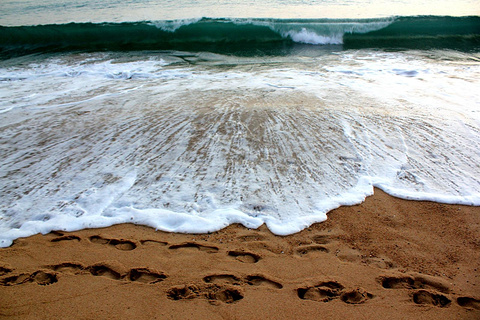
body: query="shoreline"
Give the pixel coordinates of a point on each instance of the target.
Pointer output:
(386, 257)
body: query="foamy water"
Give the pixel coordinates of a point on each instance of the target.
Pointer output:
(194, 142)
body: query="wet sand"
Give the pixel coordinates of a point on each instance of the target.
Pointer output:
(384, 259)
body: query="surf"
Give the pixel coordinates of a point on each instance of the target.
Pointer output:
(245, 37)
(195, 142)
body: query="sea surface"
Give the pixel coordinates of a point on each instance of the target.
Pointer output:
(188, 116)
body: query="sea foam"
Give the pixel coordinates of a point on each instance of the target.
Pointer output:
(195, 146)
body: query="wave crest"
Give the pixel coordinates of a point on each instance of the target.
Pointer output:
(244, 36)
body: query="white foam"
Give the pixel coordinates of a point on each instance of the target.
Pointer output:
(173, 25)
(324, 32)
(310, 37)
(187, 148)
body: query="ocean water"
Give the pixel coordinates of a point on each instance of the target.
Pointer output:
(188, 116)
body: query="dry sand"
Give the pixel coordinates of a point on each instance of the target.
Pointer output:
(384, 259)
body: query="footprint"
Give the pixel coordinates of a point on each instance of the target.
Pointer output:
(66, 238)
(99, 240)
(4, 271)
(321, 239)
(189, 245)
(14, 280)
(183, 292)
(68, 267)
(104, 271)
(228, 295)
(39, 277)
(426, 297)
(356, 296)
(142, 275)
(468, 302)
(120, 244)
(258, 280)
(155, 242)
(245, 257)
(317, 294)
(223, 279)
(145, 275)
(301, 251)
(43, 278)
(230, 279)
(210, 292)
(124, 245)
(412, 283)
(324, 291)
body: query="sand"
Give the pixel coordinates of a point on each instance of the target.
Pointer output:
(384, 259)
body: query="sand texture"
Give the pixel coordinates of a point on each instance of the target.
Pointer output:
(384, 259)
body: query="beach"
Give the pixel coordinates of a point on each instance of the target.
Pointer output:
(384, 258)
(261, 160)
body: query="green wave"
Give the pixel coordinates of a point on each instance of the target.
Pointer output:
(428, 32)
(245, 36)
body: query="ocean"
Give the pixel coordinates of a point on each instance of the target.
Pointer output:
(188, 116)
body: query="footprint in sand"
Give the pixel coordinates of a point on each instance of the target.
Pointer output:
(321, 239)
(259, 280)
(145, 275)
(431, 298)
(142, 275)
(329, 290)
(245, 257)
(154, 242)
(324, 291)
(427, 290)
(104, 271)
(43, 278)
(211, 292)
(223, 279)
(5, 270)
(195, 246)
(217, 288)
(251, 280)
(14, 280)
(356, 296)
(468, 302)
(39, 277)
(68, 268)
(306, 250)
(120, 244)
(66, 238)
(408, 282)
